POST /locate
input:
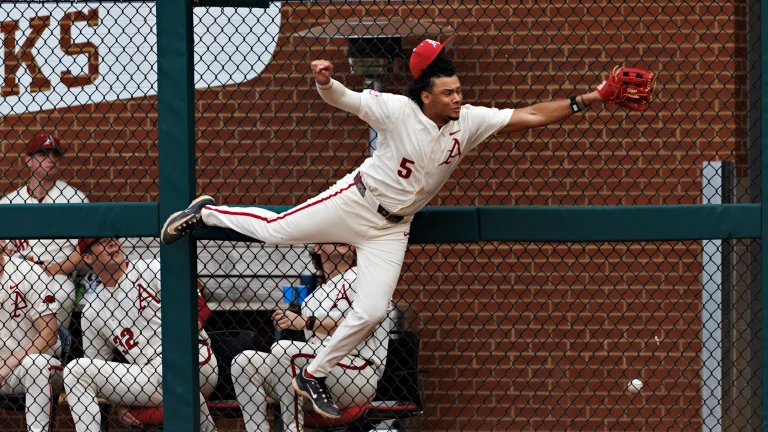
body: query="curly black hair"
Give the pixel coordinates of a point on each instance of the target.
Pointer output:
(440, 67)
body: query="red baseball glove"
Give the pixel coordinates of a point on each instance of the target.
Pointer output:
(628, 88)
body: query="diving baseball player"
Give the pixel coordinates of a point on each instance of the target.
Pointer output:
(421, 139)
(28, 334)
(125, 315)
(352, 382)
(45, 160)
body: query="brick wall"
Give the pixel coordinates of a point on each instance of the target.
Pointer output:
(517, 336)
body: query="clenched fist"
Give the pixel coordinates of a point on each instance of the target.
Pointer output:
(322, 69)
(286, 320)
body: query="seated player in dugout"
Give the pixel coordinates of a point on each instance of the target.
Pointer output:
(28, 338)
(125, 315)
(258, 375)
(45, 159)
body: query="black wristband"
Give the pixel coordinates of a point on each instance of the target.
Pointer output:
(574, 105)
(311, 323)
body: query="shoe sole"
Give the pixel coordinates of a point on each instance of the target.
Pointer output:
(317, 409)
(168, 221)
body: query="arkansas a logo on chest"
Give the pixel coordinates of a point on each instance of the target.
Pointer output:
(145, 297)
(453, 154)
(19, 302)
(340, 297)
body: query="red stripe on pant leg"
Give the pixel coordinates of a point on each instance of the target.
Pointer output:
(207, 359)
(50, 401)
(280, 216)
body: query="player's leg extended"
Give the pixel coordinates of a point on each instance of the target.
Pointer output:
(39, 377)
(379, 261)
(338, 215)
(120, 384)
(335, 216)
(253, 380)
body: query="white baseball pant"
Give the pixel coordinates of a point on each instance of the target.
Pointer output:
(257, 374)
(339, 215)
(39, 376)
(127, 384)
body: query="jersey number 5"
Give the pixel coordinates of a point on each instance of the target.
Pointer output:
(405, 171)
(125, 341)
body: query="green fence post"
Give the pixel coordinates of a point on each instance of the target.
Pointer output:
(176, 119)
(764, 214)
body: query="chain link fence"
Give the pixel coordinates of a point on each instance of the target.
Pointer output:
(481, 336)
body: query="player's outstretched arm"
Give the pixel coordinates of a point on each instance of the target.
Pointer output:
(547, 113)
(333, 92)
(629, 88)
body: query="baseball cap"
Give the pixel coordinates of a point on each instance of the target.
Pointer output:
(84, 244)
(44, 142)
(426, 52)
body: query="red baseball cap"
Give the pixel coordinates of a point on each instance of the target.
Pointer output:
(84, 244)
(425, 53)
(44, 142)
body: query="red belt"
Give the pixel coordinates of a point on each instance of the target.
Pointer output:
(381, 210)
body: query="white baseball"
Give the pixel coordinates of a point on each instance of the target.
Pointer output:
(635, 386)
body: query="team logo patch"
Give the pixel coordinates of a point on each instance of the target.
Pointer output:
(373, 92)
(49, 299)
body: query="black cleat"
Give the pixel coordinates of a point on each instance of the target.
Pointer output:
(184, 222)
(317, 392)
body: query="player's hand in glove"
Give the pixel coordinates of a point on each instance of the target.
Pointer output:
(628, 88)
(287, 320)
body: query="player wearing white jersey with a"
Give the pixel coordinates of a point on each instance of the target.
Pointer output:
(28, 333)
(352, 381)
(421, 139)
(125, 315)
(45, 161)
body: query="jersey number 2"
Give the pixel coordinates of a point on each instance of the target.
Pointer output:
(405, 171)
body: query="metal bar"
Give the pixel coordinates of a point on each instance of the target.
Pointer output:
(728, 305)
(748, 410)
(763, 335)
(625, 223)
(181, 388)
(431, 225)
(83, 220)
(256, 4)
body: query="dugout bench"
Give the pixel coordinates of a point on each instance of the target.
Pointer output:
(398, 396)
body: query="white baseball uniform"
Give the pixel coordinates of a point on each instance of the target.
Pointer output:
(412, 161)
(47, 250)
(352, 382)
(127, 317)
(25, 297)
